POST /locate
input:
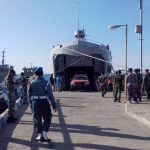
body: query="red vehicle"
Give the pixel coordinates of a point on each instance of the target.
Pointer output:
(80, 82)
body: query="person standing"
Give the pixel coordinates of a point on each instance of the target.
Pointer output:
(52, 81)
(109, 80)
(146, 83)
(10, 87)
(38, 94)
(102, 82)
(117, 85)
(131, 80)
(139, 80)
(24, 88)
(58, 83)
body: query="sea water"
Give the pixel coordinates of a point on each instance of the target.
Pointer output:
(46, 76)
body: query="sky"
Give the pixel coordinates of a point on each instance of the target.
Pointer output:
(30, 28)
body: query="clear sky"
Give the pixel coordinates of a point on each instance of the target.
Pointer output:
(30, 28)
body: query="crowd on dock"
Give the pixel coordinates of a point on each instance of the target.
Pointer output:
(133, 81)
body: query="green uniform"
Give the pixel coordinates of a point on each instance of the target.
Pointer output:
(11, 94)
(102, 82)
(117, 87)
(38, 92)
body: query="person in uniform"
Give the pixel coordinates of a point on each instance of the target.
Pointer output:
(118, 86)
(24, 88)
(102, 82)
(146, 83)
(139, 80)
(116, 72)
(10, 87)
(131, 80)
(40, 90)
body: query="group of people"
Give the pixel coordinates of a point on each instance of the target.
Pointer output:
(135, 84)
(39, 94)
(56, 83)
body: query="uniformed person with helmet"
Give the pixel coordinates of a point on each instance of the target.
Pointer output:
(146, 83)
(40, 90)
(117, 85)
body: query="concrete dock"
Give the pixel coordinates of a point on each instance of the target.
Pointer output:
(83, 121)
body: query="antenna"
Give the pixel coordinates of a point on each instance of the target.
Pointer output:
(3, 56)
(78, 15)
(31, 64)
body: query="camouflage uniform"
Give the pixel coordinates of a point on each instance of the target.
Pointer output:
(102, 82)
(147, 84)
(118, 87)
(131, 86)
(10, 86)
(24, 87)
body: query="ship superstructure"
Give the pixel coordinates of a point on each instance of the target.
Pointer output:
(4, 68)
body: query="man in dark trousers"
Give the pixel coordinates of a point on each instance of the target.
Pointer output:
(52, 81)
(38, 94)
(146, 83)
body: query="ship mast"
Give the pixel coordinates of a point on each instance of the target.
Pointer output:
(3, 56)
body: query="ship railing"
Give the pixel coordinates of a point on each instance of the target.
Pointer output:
(87, 40)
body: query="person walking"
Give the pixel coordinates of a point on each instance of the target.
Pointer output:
(146, 83)
(131, 80)
(38, 94)
(118, 86)
(102, 82)
(10, 87)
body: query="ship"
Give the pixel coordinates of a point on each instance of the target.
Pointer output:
(80, 56)
(4, 68)
(28, 71)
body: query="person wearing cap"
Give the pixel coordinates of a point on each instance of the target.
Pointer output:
(117, 85)
(38, 94)
(131, 80)
(24, 88)
(10, 87)
(102, 82)
(146, 83)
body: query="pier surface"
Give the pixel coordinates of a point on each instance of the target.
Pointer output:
(83, 121)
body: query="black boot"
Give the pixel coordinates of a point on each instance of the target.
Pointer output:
(10, 120)
(14, 118)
